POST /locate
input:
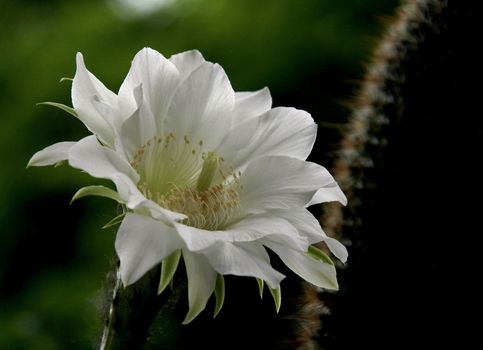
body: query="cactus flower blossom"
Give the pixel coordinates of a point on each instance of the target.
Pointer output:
(204, 173)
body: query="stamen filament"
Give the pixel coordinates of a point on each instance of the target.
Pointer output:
(179, 176)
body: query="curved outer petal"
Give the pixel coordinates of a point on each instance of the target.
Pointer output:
(95, 105)
(308, 226)
(249, 229)
(202, 104)
(330, 193)
(314, 271)
(277, 182)
(303, 220)
(281, 131)
(159, 79)
(251, 104)
(99, 161)
(187, 62)
(337, 248)
(141, 243)
(201, 283)
(243, 259)
(52, 154)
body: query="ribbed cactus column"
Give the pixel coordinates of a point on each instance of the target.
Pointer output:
(409, 163)
(131, 313)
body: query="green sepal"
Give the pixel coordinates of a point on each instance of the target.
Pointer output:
(168, 269)
(100, 191)
(277, 297)
(65, 79)
(318, 254)
(260, 287)
(65, 108)
(219, 294)
(114, 221)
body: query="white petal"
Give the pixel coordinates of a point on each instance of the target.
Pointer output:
(281, 182)
(248, 229)
(243, 259)
(159, 79)
(330, 193)
(251, 104)
(99, 161)
(201, 108)
(128, 190)
(303, 220)
(314, 271)
(137, 129)
(201, 283)
(281, 131)
(87, 93)
(308, 226)
(337, 248)
(187, 62)
(156, 211)
(52, 154)
(141, 243)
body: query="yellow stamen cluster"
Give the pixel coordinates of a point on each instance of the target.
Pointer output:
(210, 209)
(184, 179)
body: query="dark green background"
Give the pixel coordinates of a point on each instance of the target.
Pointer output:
(53, 256)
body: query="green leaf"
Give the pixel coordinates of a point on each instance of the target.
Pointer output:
(219, 293)
(100, 191)
(277, 297)
(260, 287)
(318, 254)
(168, 269)
(65, 108)
(116, 220)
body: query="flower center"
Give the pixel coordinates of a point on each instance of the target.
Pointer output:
(182, 178)
(210, 209)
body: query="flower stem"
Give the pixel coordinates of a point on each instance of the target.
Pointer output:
(133, 310)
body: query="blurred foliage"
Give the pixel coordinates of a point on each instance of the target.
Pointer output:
(54, 257)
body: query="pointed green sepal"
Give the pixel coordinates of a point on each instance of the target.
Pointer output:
(277, 297)
(168, 269)
(318, 254)
(201, 283)
(219, 294)
(65, 79)
(65, 108)
(100, 191)
(116, 220)
(260, 287)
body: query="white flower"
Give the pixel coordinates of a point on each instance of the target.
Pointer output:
(206, 173)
